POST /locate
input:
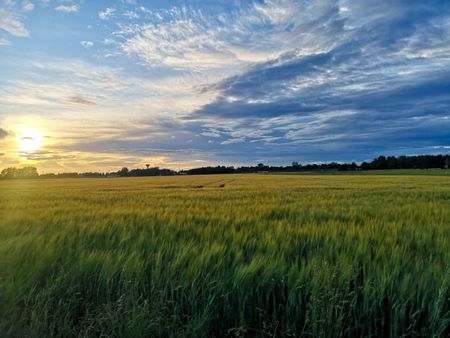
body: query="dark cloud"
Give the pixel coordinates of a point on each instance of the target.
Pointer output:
(4, 133)
(43, 155)
(80, 100)
(383, 88)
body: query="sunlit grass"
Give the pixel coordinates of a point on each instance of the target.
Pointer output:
(237, 255)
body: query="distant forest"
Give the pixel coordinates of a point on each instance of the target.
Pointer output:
(379, 163)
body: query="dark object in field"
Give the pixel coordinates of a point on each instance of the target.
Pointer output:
(199, 186)
(222, 185)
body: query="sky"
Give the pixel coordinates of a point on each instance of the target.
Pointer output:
(98, 85)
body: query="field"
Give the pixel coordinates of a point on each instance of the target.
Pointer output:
(232, 255)
(388, 172)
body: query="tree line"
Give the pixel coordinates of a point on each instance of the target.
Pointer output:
(379, 163)
(13, 172)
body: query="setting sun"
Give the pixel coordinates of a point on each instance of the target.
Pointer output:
(29, 139)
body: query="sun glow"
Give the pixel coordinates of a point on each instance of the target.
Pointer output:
(29, 140)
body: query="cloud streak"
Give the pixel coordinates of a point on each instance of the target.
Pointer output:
(67, 8)
(80, 101)
(9, 22)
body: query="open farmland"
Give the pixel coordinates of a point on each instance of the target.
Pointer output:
(236, 255)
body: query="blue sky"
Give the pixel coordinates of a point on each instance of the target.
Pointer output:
(96, 85)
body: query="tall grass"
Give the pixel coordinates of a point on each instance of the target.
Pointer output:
(282, 255)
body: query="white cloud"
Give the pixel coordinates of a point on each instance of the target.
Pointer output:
(211, 133)
(107, 13)
(192, 40)
(233, 141)
(131, 15)
(432, 43)
(67, 8)
(4, 42)
(87, 44)
(28, 6)
(108, 41)
(11, 23)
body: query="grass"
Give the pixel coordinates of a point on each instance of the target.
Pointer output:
(232, 255)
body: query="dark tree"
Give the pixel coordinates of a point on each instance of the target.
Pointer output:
(295, 166)
(123, 172)
(26, 172)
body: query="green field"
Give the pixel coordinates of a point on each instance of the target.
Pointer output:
(232, 255)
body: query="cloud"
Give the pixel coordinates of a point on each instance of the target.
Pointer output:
(381, 87)
(68, 8)
(108, 41)
(4, 133)
(131, 15)
(10, 22)
(211, 133)
(87, 44)
(107, 13)
(233, 141)
(195, 40)
(53, 82)
(4, 42)
(28, 6)
(44, 155)
(80, 100)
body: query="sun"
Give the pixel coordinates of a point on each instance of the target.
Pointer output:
(29, 140)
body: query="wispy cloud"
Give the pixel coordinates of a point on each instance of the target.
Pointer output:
(28, 6)
(67, 8)
(188, 39)
(44, 155)
(80, 100)
(107, 13)
(233, 141)
(131, 14)
(10, 22)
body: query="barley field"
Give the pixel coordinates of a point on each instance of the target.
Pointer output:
(232, 255)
